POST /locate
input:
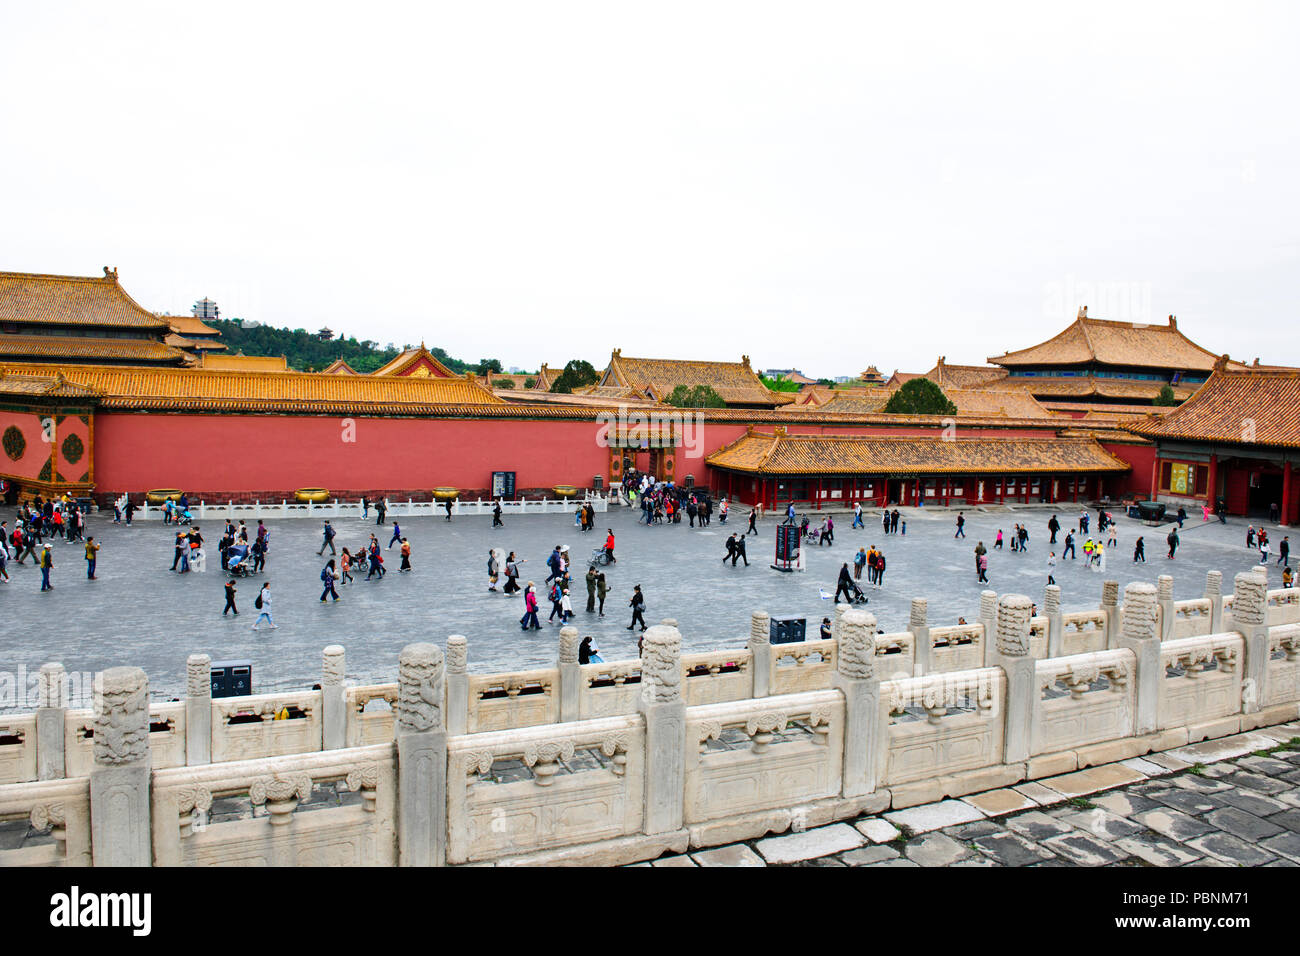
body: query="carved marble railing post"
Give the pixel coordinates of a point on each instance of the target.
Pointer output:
(1010, 652)
(570, 674)
(760, 643)
(918, 624)
(1250, 619)
(333, 700)
(198, 710)
(1055, 624)
(1214, 594)
(457, 685)
(837, 619)
(988, 620)
(50, 721)
(664, 711)
(856, 678)
(1110, 607)
(1165, 598)
(1141, 635)
(119, 779)
(421, 757)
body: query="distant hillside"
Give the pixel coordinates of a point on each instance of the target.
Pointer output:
(306, 352)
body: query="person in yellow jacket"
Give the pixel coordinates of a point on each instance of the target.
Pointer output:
(47, 563)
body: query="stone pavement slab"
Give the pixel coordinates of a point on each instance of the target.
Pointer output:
(673, 861)
(737, 854)
(995, 803)
(1188, 801)
(1122, 803)
(935, 849)
(1270, 766)
(877, 830)
(1226, 847)
(934, 816)
(1038, 793)
(1082, 849)
(1286, 844)
(1223, 748)
(1038, 826)
(1102, 824)
(1166, 761)
(897, 862)
(823, 841)
(1255, 803)
(1289, 819)
(1011, 849)
(1256, 781)
(1239, 823)
(1172, 824)
(1144, 766)
(1156, 850)
(1093, 779)
(867, 855)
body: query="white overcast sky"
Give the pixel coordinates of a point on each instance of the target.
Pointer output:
(823, 186)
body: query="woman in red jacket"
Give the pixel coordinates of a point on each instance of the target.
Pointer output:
(609, 545)
(529, 620)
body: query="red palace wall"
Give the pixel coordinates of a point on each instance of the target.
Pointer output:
(37, 452)
(243, 457)
(1136, 483)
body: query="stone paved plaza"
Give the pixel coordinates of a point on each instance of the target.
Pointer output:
(139, 613)
(1228, 802)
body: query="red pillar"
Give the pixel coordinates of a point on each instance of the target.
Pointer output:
(1212, 480)
(1155, 479)
(1288, 494)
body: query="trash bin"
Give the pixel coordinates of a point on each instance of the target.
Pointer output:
(787, 630)
(232, 678)
(597, 482)
(690, 481)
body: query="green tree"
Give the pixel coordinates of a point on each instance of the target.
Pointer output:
(701, 396)
(530, 382)
(488, 365)
(779, 384)
(576, 374)
(1166, 397)
(920, 396)
(503, 383)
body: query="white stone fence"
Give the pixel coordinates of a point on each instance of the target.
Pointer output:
(264, 510)
(57, 741)
(675, 771)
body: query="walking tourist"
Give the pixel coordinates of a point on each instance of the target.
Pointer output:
(327, 541)
(263, 604)
(47, 564)
(529, 620)
(92, 553)
(327, 576)
(637, 604)
(230, 599)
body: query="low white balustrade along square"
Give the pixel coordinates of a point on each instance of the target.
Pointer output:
(519, 791)
(166, 738)
(17, 748)
(896, 655)
(1283, 665)
(1192, 618)
(1083, 632)
(370, 714)
(956, 648)
(520, 699)
(245, 728)
(58, 810)
(1203, 679)
(1083, 699)
(801, 666)
(943, 723)
(754, 755)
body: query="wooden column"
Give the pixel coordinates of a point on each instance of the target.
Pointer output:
(1212, 481)
(1288, 494)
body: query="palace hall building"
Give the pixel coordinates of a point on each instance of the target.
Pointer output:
(51, 319)
(1097, 364)
(1237, 439)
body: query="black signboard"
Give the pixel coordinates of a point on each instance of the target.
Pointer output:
(503, 485)
(787, 543)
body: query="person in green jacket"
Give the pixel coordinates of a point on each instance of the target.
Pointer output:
(591, 588)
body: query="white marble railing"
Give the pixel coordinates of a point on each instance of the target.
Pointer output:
(335, 508)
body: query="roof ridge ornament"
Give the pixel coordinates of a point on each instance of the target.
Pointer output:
(1173, 322)
(110, 273)
(1083, 313)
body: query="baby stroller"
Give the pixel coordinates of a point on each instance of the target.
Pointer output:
(185, 517)
(809, 534)
(859, 597)
(238, 562)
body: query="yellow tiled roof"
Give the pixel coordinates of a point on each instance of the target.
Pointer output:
(44, 386)
(209, 389)
(779, 453)
(1083, 386)
(33, 298)
(1242, 407)
(735, 382)
(339, 367)
(190, 325)
(969, 401)
(410, 357)
(1106, 342)
(239, 362)
(65, 348)
(963, 376)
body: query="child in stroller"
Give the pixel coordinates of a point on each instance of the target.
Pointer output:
(237, 560)
(184, 517)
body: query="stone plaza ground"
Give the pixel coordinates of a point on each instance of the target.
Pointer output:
(1221, 803)
(139, 613)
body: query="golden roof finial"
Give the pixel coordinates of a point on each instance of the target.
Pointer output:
(110, 273)
(1173, 322)
(1083, 312)
(1222, 363)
